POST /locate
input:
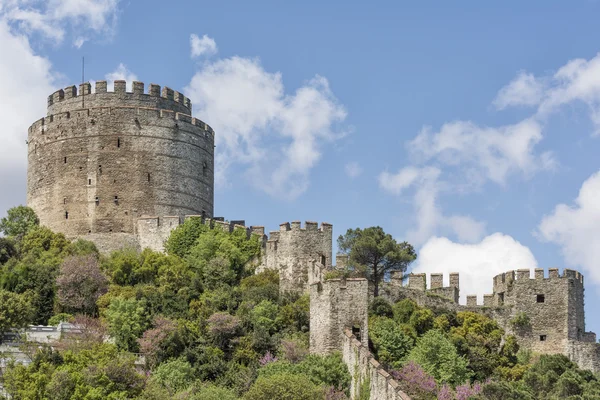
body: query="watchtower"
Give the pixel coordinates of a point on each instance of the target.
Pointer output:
(554, 307)
(99, 161)
(295, 251)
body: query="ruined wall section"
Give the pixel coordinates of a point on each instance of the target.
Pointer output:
(299, 254)
(335, 305)
(98, 162)
(362, 367)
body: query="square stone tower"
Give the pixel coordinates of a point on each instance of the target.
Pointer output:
(553, 305)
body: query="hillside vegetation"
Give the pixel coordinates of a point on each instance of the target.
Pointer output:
(198, 323)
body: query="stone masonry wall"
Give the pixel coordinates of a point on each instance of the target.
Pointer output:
(294, 252)
(553, 304)
(335, 305)
(100, 161)
(362, 365)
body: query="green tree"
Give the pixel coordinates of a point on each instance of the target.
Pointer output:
(7, 249)
(390, 342)
(127, 321)
(284, 386)
(438, 357)
(478, 338)
(174, 375)
(376, 253)
(18, 222)
(15, 310)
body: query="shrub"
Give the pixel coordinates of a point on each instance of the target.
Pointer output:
(284, 386)
(520, 321)
(381, 308)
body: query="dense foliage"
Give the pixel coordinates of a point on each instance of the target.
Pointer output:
(198, 323)
(441, 354)
(195, 323)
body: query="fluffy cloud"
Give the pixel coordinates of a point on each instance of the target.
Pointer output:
(353, 169)
(26, 80)
(429, 218)
(483, 152)
(578, 81)
(202, 46)
(477, 263)
(276, 138)
(54, 18)
(524, 90)
(576, 229)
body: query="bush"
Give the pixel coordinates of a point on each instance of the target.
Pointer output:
(381, 308)
(390, 342)
(174, 375)
(403, 310)
(520, 321)
(284, 386)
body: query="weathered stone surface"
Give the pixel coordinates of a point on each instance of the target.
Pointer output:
(299, 254)
(100, 161)
(335, 305)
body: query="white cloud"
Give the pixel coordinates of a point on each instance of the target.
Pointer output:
(276, 137)
(53, 19)
(202, 46)
(524, 90)
(578, 81)
(484, 152)
(353, 169)
(476, 263)
(26, 80)
(576, 229)
(121, 73)
(429, 218)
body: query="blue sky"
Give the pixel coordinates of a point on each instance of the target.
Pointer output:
(470, 131)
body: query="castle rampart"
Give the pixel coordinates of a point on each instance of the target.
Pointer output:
(153, 232)
(294, 251)
(99, 161)
(364, 368)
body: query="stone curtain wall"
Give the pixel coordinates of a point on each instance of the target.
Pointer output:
(99, 161)
(365, 369)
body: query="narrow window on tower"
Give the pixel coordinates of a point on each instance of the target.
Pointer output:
(148, 176)
(97, 200)
(66, 215)
(65, 200)
(118, 142)
(89, 181)
(65, 160)
(100, 169)
(117, 200)
(204, 168)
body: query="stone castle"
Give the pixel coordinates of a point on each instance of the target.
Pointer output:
(126, 168)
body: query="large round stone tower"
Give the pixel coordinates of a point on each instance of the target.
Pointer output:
(99, 161)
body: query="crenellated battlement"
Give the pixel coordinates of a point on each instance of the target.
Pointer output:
(296, 226)
(524, 275)
(419, 281)
(72, 96)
